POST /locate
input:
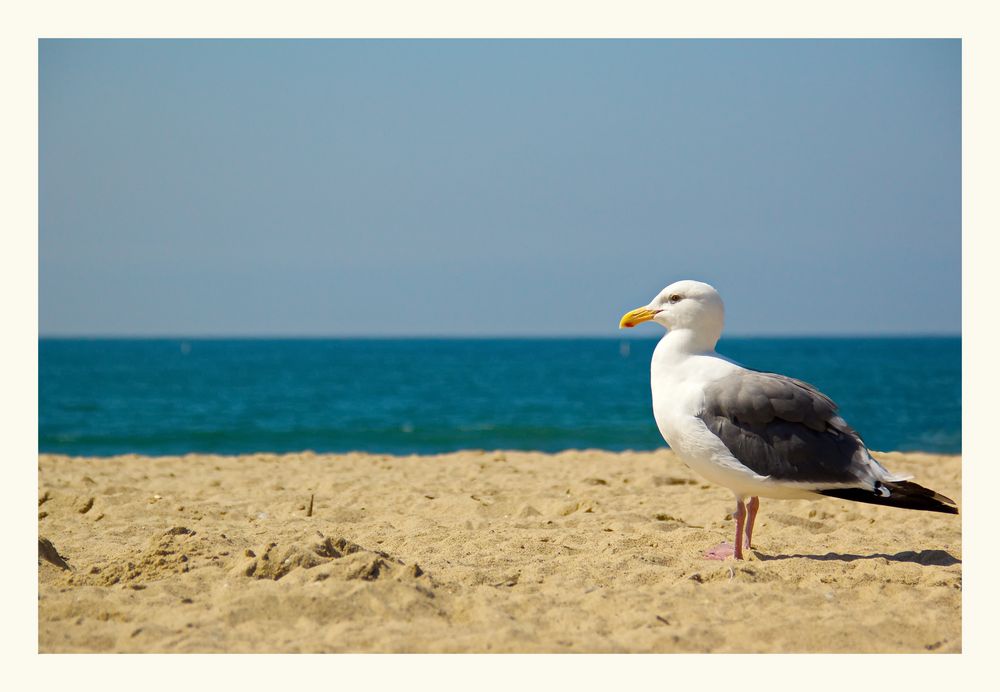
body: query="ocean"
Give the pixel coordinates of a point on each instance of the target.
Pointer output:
(401, 396)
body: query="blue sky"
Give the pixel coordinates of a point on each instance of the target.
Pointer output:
(496, 187)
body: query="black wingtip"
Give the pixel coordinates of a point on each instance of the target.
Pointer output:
(902, 494)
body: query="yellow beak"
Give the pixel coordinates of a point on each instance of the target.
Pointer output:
(637, 316)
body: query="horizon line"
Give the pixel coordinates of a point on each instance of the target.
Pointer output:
(480, 337)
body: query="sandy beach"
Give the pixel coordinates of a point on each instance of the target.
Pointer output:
(582, 551)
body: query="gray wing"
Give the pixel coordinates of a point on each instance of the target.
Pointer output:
(784, 428)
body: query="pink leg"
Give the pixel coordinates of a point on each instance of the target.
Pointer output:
(734, 549)
(752, 507)
(741, 515)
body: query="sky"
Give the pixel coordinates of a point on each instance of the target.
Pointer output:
(496, 188)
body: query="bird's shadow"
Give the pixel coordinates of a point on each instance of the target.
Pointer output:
(925, 557)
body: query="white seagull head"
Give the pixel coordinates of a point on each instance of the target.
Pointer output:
(685, 304)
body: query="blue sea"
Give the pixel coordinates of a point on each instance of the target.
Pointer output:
(173, 396)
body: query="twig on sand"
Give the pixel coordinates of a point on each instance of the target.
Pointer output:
(48, 552)
(312, 497)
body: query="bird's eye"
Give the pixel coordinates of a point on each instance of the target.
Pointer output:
(674, 298)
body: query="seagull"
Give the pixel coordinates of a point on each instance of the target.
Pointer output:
(759, 434)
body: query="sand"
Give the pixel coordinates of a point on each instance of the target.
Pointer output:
(583, 551)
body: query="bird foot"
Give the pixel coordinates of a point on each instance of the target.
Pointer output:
(723, 551)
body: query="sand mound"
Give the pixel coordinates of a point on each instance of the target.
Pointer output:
(334, 558)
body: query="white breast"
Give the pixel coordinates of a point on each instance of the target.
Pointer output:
(678, 382)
